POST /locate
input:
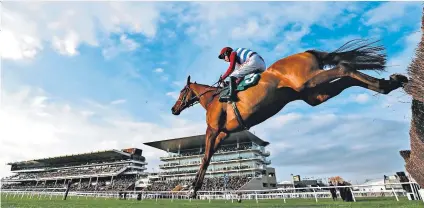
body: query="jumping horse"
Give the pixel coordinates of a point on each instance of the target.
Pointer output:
(299, 76)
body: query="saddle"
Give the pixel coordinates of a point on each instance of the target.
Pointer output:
(248, 81)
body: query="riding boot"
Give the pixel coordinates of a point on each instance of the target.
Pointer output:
(231, 95)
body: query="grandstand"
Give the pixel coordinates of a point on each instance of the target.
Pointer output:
(240, 163)
(93, 171)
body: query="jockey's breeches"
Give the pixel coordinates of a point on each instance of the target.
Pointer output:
(252, 64)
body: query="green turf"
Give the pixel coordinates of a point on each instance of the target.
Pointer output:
(72, 202)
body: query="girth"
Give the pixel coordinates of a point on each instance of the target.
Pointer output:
(238, 116)
(236, 112)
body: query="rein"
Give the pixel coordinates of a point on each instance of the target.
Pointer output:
(196, 99)
(200, 95)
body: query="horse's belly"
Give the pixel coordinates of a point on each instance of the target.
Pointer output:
(264, 106)
(263, 111)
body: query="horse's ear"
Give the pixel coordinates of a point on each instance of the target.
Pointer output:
(188, 79)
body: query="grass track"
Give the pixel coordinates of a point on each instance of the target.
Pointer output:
(74, 202)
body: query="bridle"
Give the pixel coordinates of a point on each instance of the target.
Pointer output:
(196, 98)
(192, 101)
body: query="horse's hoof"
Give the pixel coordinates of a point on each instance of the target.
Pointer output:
(399, 78)
(191, 194)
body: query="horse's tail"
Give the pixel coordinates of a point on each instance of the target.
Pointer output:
(356, 54)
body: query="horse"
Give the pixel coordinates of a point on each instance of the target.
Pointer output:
(300, 76)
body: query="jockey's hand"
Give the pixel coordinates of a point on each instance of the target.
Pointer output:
(220, 81)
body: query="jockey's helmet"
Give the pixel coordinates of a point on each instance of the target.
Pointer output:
(225, 52)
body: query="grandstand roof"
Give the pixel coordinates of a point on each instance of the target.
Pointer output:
(99, 155)
(197, 141)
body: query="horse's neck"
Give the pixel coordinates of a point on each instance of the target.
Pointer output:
(205, 92)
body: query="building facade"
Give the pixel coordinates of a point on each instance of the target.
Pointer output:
(241, 155)
(93, 171)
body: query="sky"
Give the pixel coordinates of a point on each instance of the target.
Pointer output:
(89, 76)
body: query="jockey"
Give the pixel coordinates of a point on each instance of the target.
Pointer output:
(242, 61)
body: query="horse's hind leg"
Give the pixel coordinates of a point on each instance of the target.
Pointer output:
(321, 93)
(379, 85)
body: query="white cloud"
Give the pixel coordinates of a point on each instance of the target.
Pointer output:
(171, 34)
(387, 12)
(67, 25)
(116, 102)
(35, 126)
(284, 119)
(130, 71)
(18, 46)
(332, 44)
(163, 76)
(399, 62)
(66, 45)
(179, 83)
(124, 44)
(361, 98)
(219, 19)
(174, 95)
(249, 29)
(129, 44)
(158, 70)
(87, 113)
(292, 40)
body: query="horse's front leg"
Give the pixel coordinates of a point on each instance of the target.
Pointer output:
(213, 138)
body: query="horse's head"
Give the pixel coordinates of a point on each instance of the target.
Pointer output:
(186, 99)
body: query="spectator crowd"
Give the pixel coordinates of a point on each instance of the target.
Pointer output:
(127, 182)
(76, 171)
(211, 184)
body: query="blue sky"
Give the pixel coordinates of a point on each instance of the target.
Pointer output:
(87, 76)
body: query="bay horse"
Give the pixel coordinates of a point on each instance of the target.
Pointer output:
(299, 76)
